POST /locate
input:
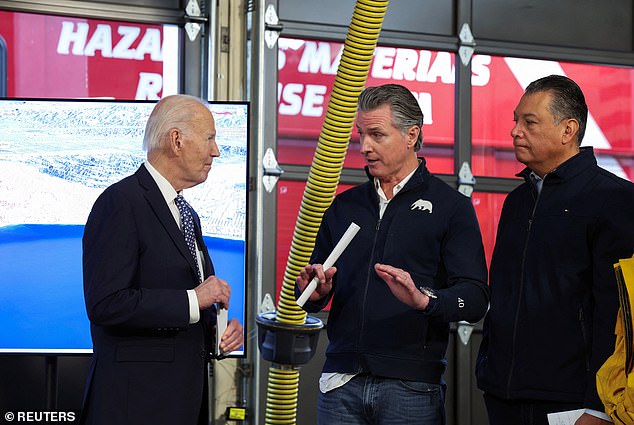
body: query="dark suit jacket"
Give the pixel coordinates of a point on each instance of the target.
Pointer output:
(149, 364)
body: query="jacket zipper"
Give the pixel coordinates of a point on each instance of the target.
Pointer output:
(369, 273)
(367, 284)
(519, 300)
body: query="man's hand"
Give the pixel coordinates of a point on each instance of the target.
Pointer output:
(402, 286)
(587, 419)
(213, 290)
(233, 337)
(324, 283)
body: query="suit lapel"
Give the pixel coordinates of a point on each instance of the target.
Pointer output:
(157, 202)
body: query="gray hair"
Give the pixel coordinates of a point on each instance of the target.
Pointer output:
(171, 111)
(406, 111)
(567, 100)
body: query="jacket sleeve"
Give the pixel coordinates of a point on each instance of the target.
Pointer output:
(111, 252)
(467, 295)
(611, 240)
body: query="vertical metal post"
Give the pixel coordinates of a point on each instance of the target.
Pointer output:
(262, 227)
(464, 382)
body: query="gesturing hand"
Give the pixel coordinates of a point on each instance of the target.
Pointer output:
(402, 286)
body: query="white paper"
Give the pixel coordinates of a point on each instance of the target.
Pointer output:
(568, 417)
(221, 326)
(332, 258)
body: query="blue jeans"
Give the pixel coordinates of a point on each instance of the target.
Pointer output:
(370, 400)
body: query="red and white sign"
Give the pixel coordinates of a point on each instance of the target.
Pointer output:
(63, 57)
(307, 71)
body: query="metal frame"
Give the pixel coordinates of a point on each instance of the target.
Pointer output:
(94, 9)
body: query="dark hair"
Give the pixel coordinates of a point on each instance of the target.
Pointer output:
(567, 101)
(406, 111)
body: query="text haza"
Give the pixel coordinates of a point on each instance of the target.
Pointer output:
(75, 34)
(388, 63)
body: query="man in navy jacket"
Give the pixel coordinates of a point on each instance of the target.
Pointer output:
(554, 297)
(151, 316)
(416, 264)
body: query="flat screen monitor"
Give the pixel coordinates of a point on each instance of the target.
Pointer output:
(56, 157)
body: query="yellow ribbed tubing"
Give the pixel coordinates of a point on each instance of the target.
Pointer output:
(323, 178)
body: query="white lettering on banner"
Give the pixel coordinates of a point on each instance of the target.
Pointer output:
(149, 87)
(390, 63)
(150, 44)
(316, 59)
(281, 59)
(424, 101)
(76, 34)
(100, 40)
(123, 48)
(383, 62)
(77, 38)
(480, 72)
(405, 63)
(300, 99)
(441, 68)
(308, 100)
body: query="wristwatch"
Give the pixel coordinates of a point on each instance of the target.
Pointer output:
(428, 291)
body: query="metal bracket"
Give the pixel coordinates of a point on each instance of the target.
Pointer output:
(267, 304)
(467, 44)
(466, 181)
(272, 26)
(272, 170)
(465, 329)
(195, 19)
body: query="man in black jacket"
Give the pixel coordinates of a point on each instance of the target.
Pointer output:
(554, 297)
(416, 264)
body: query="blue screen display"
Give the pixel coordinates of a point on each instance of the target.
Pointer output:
(56, 157)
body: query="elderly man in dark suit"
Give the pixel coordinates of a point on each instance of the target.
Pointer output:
(151, 299)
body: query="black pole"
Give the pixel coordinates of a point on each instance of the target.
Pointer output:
(51, 383)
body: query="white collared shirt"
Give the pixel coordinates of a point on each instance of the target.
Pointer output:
(383, 201)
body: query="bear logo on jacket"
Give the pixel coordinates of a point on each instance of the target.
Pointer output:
(422, 205)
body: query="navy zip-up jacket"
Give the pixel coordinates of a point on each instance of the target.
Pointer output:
(554, 297)
(428, 229)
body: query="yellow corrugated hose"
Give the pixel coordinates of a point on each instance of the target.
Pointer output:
(323, 178)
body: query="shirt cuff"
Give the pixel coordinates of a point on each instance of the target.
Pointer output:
(194, 311)
(598, 414)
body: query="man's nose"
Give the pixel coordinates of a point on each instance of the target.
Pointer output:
(214, 150)
(514, 131)
(363, 145)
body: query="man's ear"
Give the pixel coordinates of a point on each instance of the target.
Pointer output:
(571, 131)
(176, 140)
(412, 136)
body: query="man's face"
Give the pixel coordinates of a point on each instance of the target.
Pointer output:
(199, 147)
(537, 138)
(383, 145)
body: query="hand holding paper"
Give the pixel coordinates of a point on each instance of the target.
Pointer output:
(332, 258)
